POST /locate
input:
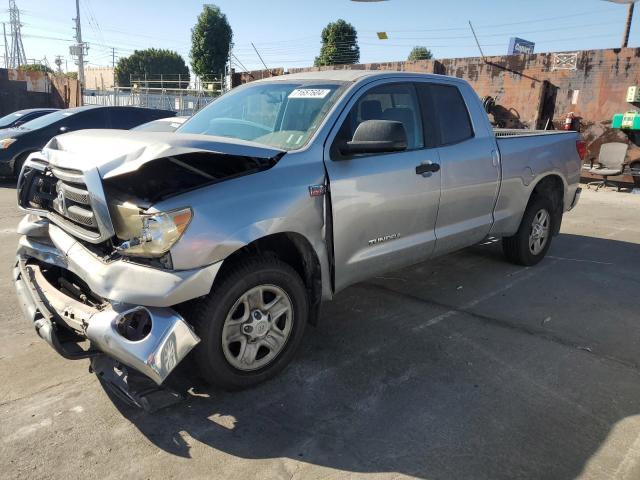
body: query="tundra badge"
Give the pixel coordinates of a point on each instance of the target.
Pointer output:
(386, 238)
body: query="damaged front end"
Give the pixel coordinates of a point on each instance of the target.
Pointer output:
(67, 314)
(94, 271)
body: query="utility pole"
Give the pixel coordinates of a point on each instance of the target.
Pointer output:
(17, 56)
(6, 47)
(625, 38)
(79, 50)
(113, 66)
(627, 29)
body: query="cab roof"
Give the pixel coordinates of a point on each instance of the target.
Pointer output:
(345, 75)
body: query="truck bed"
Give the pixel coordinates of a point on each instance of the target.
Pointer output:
(515, 132)
(524, 156)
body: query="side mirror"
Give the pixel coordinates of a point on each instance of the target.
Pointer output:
(63, 129)
(377, 136)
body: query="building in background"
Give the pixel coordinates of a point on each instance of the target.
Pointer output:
(98, 78)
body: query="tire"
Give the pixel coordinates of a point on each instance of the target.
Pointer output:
(518, 248)
(259, 279)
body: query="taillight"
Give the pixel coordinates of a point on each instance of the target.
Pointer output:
(581, 147)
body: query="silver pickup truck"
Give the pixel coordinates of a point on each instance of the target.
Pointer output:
(227, 236)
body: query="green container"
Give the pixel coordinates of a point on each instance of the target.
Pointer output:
(626, 121)
(617, 120)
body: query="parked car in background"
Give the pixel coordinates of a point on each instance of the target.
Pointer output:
(169, 124)
(17, 143)
(16, 119)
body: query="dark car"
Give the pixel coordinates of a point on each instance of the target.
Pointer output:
(16, 119)
(17, 143)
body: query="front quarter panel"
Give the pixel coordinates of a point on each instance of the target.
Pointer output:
(234, 213)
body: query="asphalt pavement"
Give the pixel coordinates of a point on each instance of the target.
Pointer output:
(465, 367)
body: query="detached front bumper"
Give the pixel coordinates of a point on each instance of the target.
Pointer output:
(154, 350)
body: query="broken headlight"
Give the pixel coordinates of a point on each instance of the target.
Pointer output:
(150, 234)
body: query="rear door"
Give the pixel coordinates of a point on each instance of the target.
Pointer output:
(384, 213)
(469, 165)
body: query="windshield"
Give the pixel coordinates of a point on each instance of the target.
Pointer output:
(47, 119)
(278, 114)
(9, 119)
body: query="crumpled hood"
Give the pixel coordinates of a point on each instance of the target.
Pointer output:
(115, 152)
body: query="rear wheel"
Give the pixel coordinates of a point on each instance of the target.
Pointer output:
(532, 240)
(251, 324)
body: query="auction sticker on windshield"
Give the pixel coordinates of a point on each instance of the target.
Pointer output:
(309, 93)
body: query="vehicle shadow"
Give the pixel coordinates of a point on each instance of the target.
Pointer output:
(7, 182)
(379, 386)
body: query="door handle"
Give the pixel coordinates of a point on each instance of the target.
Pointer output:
(495, 159)
(427, 168)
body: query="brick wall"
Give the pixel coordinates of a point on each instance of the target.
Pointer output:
(98, 78)
(20, 90)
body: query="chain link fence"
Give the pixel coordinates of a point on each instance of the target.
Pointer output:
(183, 101)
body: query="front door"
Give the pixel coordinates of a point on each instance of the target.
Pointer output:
(384, 212)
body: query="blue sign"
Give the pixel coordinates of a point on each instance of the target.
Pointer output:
(518, 46)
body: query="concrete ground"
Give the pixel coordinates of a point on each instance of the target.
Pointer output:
(464, 367)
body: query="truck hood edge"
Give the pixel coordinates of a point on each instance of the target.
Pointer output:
(116, 152)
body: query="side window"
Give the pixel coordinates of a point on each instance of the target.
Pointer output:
(448, 111)
(126, 118)
(396, 101)
(92, 118)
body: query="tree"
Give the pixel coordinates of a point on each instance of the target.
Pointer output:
(420, 53)
(35, 67)
(210, 42)
(154, 64)
(339, 45)
(72, 75)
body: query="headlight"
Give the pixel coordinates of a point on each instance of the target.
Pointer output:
(5, 142)
(153, 235)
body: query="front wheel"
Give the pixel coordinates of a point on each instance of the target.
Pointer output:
(251, 324)
(532, 240)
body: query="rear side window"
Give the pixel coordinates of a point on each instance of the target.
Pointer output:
(126, 118)
(444, 107)
(92, 118)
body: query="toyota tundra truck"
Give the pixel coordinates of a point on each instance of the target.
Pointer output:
(222, 240)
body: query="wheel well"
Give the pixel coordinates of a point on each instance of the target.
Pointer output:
(20, 158)
(552, 187)
(297, 252)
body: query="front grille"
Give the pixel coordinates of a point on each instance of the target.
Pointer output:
(72, 203)
(64, 196)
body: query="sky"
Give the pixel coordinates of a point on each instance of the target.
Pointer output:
(287, 32)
